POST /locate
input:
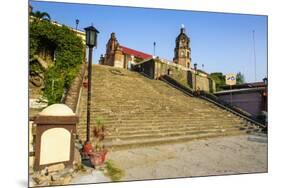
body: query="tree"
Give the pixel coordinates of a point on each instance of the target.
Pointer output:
(219, 79)
(41, 15)
(240, 79)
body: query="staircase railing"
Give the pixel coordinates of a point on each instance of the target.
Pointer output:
(77, 102)
(213, 99)
(77, 88)
(169, 80)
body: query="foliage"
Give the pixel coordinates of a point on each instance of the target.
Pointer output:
(69, 55)
(99, 134)
(35, 68)
(41, 15)
(113, 171)
(240, 79)
(99, 121)
(219, 79)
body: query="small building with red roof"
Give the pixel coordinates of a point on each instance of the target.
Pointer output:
(121, 56)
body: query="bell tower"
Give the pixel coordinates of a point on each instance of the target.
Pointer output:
(182, 49)
(110, 50)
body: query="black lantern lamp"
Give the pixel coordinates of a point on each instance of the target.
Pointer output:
(265, 81)
(91, 36)
(195, 67)
(265, 85)
(195, 70)
(91, 41)
(77, 22)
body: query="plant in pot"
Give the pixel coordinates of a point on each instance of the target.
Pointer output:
(85, 82)
(98, 155)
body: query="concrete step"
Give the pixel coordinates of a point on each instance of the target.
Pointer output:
(121, 134)
(141, 136)
(164, 125)
(127, 144)
(139, 125)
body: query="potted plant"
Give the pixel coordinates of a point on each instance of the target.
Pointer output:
(85, 82)
(98, 155)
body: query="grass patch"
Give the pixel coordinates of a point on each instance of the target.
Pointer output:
(114, 172)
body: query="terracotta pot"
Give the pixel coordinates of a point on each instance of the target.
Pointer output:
(87, 148)
(98, 158)
(85, 84)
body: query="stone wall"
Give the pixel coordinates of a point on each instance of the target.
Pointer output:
(203, 82)
(178, 72)
(184, 76)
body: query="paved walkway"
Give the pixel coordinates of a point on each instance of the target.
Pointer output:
(215, 156)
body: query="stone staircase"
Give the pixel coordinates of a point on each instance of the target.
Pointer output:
(138, 111)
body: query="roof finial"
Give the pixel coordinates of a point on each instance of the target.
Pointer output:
(182, 26)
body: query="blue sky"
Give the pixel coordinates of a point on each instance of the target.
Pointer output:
(222, 42)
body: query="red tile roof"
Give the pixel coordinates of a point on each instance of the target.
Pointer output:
(135, 53)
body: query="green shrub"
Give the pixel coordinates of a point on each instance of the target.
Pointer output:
(69, 51)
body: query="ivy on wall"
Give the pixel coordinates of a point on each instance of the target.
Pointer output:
(69, 50)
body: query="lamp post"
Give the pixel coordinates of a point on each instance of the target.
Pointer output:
(91, 41)
(77, 22)
(195, 69)
(265, 93)
(154, 45)
(265, 81)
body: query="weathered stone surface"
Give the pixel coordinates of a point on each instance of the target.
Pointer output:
(77, 157)
(67, 179)
(44, 172)
(61, 179)
(57, 176)
(56, 167)
(40, 179)
(31, 161)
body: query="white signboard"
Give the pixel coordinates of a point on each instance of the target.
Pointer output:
(230, 79)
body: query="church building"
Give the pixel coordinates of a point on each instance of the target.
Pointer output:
(121, 56)
(155, 67)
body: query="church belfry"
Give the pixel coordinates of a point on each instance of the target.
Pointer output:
(182, 49)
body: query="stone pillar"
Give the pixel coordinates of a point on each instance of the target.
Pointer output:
(55, 134)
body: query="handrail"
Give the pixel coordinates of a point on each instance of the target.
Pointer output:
(77, 102)
(169, 80)
(213, 99)
(77, 88)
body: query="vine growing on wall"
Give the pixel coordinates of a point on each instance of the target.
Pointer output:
(68, 49)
